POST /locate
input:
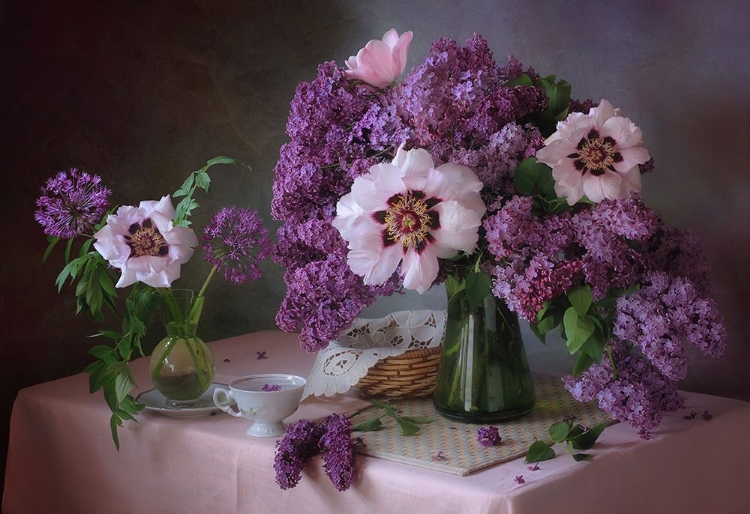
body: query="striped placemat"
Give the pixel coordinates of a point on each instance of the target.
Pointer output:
(452, 447)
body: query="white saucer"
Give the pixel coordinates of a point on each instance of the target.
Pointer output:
(156, 402)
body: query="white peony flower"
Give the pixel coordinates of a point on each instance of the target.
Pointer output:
(595, 154)
(409, 212)
(142, 242)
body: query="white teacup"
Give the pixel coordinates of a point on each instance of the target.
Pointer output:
(266, 399)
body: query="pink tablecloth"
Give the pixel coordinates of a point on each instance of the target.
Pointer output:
(61, 459)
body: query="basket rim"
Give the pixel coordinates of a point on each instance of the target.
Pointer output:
(416, 353)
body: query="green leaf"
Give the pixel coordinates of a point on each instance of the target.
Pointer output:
(70, 270)
(126, 415)
(580, 457)
(186, 187)
(531, 177)
(594, 345)
(549, 321)
(68, 247)
(522, 80)
(106, 283)
(577, 329)
(53, 240)
(420, 420)
(583, 362)
(368, 425)
(223, 160)
(535, 330)
(558, 93)
(539, 451)
(478, 287)
(580, 298)
(203, 181)
(587, 439)
(123, 385)
(115, 422)
(406, 427)
(129, 404)
(102, 352)
(559, 431)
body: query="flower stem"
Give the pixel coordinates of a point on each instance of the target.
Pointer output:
(208, 279)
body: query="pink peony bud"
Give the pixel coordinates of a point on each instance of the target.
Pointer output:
(380, 62)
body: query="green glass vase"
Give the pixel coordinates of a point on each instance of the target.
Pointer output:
(484, 375)
(181, 365)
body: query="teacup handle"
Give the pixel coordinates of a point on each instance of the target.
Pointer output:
(227, 403)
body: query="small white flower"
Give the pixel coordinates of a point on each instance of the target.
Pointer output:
(409, 212)
(595, 154)
(142, 242)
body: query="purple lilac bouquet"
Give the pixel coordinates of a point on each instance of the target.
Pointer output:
(471, 164)
(148, 244)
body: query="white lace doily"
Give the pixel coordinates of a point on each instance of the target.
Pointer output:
(339, 366)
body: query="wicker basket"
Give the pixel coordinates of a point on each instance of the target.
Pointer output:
(412, 374)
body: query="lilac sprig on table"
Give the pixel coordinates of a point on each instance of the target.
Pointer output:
(488, 436)
(332, 438)
(409, 424)
(574, 436)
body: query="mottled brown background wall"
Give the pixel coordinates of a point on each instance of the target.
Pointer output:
(142, 92)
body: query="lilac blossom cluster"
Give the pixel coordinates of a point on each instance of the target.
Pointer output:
(236, 242)
(613, 246)
(488, 436)
(339, 128)
(71, 203)
(305, 439)
(638, 395)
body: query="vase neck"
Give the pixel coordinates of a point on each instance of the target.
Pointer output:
(181, 311)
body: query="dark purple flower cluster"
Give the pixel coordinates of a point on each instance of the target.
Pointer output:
(338, 451)
(305, 439)
(488, 436)
(299, 444)
(236, 242)
(72, 203)
(538, 258)
(638, 395)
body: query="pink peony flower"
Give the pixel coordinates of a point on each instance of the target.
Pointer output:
(408, 211)
(142, 242)
(596, 154)
(380, 63)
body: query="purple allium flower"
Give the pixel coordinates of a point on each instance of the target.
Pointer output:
(271, 387)
(438, 456)
(707, 415)
(519, 480)
(236, 242)
(338, 451)
(72, 203)
(260, 355)
(692, 415)
(535, 467)
(488, 436)
(298, 445)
